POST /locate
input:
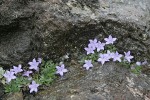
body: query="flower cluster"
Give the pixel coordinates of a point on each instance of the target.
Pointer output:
(33, 68)
(141, 63)
(105, 56)
(15, 71)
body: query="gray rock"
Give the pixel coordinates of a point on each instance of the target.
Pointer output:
(108, 82)
(52, 28)
(14, 96)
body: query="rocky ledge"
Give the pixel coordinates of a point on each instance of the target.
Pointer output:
(52, 28)
(108, 82)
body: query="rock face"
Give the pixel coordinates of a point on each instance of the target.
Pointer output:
(14, 96)
(51, 28)
(108, 82)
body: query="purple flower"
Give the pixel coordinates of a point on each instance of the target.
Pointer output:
(128, 57)
(93, 47)
(100, 46)
(89, 50)
(103, 58)
(34, 65)
(88, 64)
(138, 63)
(39, 60)
(27, 73)
(144, 63)
(33, 87)
(110, 54)
(93, 43)
(9, 76)
(117, 57)
(110, 40)
(16, 69)
(141, 63)
(61, 70)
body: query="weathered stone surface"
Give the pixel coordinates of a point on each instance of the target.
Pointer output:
(50, 28)
(14, 96)
(108, 82)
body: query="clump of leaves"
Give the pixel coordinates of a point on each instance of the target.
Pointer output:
(106, 51)
(17, 84)
(18, 79)
(125, 64)
(137, 69)
(92, 57)
(111, 48)
(47, 73)
(96, 47)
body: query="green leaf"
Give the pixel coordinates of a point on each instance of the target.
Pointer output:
(12, 87)
(17, 84)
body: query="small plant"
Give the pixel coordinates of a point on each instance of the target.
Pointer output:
(102, 52)
(125, 64)
(38, 73)
(17, 84)
(136, 70)
(106, 51)
(111, 48)
(18, 78)
(47, 73)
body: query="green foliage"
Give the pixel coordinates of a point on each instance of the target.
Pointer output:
(92, 57)
(45, 76)
(125, 64)
(137, 70)
(111, 48)
(16, 84)
(11, 87)
(47, 73)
